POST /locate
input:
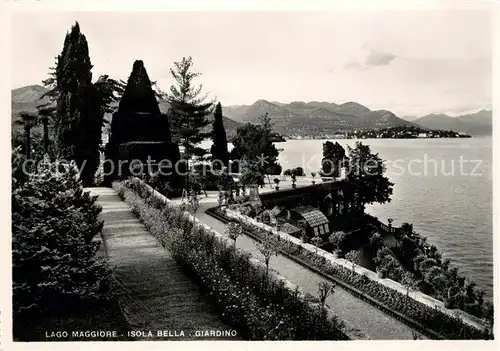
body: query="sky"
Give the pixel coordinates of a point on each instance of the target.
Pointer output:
(410, 62)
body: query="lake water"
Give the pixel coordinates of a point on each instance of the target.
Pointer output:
(443, 186)
(448, 203)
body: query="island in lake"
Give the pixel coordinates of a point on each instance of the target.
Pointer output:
(398, 132)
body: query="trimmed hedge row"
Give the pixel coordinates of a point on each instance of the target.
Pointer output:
(429, 318)
(257, 305)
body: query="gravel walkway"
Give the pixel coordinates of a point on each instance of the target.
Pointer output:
(356, 313)
(156, 295)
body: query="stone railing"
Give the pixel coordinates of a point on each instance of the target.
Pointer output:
(416, 295)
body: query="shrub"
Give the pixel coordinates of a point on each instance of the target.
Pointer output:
(297, 172)
(55, 270)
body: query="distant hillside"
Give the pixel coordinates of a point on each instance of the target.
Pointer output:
(479, 123)
(300, 118)
(28, 98)
(315, 118)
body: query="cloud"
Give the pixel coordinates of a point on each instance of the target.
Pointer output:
(353, 65)
(367, 57)
(378, 58)
(329, 68)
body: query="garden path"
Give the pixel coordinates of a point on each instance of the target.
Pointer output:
(357, 314)
(155, 294)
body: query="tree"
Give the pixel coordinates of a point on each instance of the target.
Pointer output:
(188, 110)
(302, 224)
(233, 231)
(194, 202)
(317, 241)
(407, 228)
(337, 239)
(109, 90)
(219, 138)
(333, 159)
(408, 281)
(352, 256)
(46, 115)
(324, 290)
(267, 248)
(78, 122)
(28, 121)
(255, 151)
(366, 172)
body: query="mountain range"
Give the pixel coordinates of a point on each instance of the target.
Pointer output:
(315, 118)
(299, 118)
(479, 123)
(29, 97)
(327, 118)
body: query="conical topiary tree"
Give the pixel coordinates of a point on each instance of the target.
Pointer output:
(138, 95)
(140, 124)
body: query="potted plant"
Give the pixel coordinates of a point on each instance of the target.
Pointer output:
(381, 272)
(449, 299)
(277, 182)
(338, 253)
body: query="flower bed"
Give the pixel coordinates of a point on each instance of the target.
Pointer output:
(449, 327)
(260, 306)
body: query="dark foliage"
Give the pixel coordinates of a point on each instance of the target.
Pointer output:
(334, 157)
(219, 138)
(54, 267)
(139, 130)
(366, 172)
(78, 121)
(254, 151)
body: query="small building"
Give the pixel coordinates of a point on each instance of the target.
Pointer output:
(316, 222)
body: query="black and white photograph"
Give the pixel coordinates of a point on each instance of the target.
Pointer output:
(251, 175)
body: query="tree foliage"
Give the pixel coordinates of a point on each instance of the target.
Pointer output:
(334, 156)
(188, 108)
(366, 172)
(219, 138)
(78, 121)
(255, 151)
(55, 269)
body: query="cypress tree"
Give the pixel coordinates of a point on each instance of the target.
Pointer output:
(219, 138)
(78, 121)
